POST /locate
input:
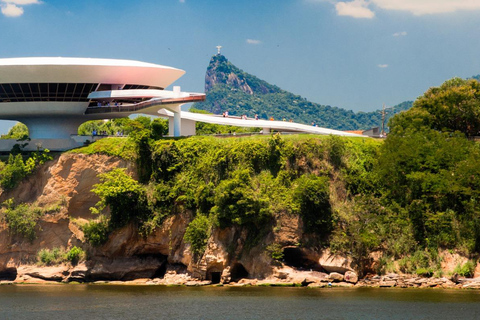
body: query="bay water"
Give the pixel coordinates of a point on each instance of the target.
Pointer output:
(92, 301)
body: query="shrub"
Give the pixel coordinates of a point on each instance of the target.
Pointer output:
(125, 197)
(237, 202)
(424, 272)
(275, 250)
(466, 270)
(197, 234)
(21, 219)
(96, 232)
(48, 257)
(13, 172)
(336, 149)
(75, 254)
(313, 196)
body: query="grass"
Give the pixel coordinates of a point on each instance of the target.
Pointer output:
(113, 146)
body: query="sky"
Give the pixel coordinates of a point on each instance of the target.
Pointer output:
(354, 54)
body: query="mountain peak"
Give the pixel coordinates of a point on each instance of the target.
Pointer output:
(230, 88)
(222, 72)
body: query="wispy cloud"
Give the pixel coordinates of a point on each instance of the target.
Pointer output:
(366, 8)
(382, 66)
(356, 9)
(14, 8)
(181, 1)
(22, 2)
(400, 34)
(253, 41)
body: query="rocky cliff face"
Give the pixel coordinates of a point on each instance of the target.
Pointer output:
(163, 257)
(127, 255)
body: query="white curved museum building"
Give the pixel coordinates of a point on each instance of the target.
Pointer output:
(53, 96)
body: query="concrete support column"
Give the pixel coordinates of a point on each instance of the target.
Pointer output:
(177, 124)
(52, 127)
(266, 130)
(170, 126)
(177, 120)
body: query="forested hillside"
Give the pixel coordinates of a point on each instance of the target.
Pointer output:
(230, 89)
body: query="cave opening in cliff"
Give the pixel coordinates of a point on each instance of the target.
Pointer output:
(160, 272)
(238, 272)
(295, 257)
(9, 274)
(214, 274)
(215, 277)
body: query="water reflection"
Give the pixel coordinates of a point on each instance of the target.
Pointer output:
(148, 302)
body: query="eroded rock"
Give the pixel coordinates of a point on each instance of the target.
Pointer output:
(335, 263)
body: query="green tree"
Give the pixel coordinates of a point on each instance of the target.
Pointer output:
(313, 196)
(125, 197)
(197, 234)
(238, 202)
(454, 106)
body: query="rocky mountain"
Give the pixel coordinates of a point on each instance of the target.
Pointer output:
(229, 88)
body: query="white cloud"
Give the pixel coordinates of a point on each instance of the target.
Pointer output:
(382, 65)
(355, 8)
(11, 10)
(253, 41)
(365, 8)
(181, 1)
(422, 7)
(400, 34)
(22, 2)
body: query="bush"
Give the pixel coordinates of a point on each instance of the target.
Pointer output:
(237, 202)
(48, 257)
(467, 269)
(275, 250)
(74, 255)
(21, 219)
(125, 197)
(96, 232)
(16, 168)
(58, 255)
(313, 196)
(197, 234)
(424, 272)
(13, 172)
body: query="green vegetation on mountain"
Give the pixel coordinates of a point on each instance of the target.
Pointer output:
(230, 89)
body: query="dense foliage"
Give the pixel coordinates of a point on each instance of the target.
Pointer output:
(230, 89)
(16, 168)
(406, 198)
(242, 182)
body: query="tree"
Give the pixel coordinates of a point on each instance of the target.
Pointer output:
(454, 106)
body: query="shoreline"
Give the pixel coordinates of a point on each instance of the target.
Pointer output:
(383, 282)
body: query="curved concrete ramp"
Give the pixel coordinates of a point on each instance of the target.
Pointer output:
(266, 125)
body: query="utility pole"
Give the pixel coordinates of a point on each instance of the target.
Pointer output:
(383, 121)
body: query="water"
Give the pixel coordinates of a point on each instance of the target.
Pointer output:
(145, 302)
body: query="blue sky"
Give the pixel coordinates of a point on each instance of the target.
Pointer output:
(352, 54)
